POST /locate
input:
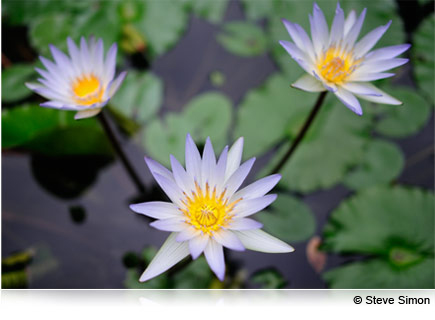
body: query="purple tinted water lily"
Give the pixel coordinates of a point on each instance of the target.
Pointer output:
(334, 60)
(207, 211)
(82, 82)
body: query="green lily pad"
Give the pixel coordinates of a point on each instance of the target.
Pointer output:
(162, 24)
(288, 219)
(337, 142)
(404, 120)
(383, 161)
(394, 228)
(206, 115)
(243, 38)
(210, 10)
(423, 54)
(270, 109)
(139, 97)
(255, 10)
(269, 279)
(50, 29)
(53, 132)
(196, 275)
(13, 79)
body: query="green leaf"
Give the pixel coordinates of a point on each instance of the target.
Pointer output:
(208, 114)
(269, 279)
(423, 57)
(162, 24)
(404, 120)
(270, 108)
(196, 275)
(13, 79)
(394, 228)
(211, 10)
(333, 144)
(217, 78)
(289, 219)
(139, 97)
(50, 29)
(243, 38)
(131, 281)
(382, 162)
(255, 10)
(51, 131)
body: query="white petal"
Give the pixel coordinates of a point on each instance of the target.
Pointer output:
(99, 57)
(170, 188)
(156, 167)
(110, 63)
(379, 65)
(187, 233)
(294, 34)
(221, 167)
(87, 113)
(75, 57)
(53, 104)
(257, 189)
(172, 224)
(113, 86)
(248, 207)
(228, 239)
(360, 88)
(382, 97)
(349, 100)
(193, 159)
(321, 27)
(244, 224)
(349, 22)
(208, 167)
(298, 55)
(197, 245)
(169, 254)
(235, 181)
(353, 33)
(386, 52)
(309, 83)
(368, 41)
(84, 56)
(337, 28)
(369, 76)
(157, 209)
(214, 254)
(63, 61)
(234, 157)
(259, 240)
(183, 180)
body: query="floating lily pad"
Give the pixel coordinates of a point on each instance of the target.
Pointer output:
(13, 79)
(206, 115)
(423, 54)
(255, 10)
(243, 39)
(140, 96)
(394, 228)
(51, 131)
(196, 275)
(382, 162)
(211, 10)
(404, 120)
(288, 219)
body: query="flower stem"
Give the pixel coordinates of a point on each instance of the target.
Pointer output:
(117, 147)
(302, 132)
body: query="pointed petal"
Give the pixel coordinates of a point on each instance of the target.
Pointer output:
(234, 157)
(369, 76)
(197, 245)
(114, 85)
(349, 100)
(170, 188)
(237, 178)
(228, 239)
(248, 207)
(221, 167)
(379, 66)
(193, 159)
(187, 233)
(353, 33)
(156, 167)
(169, 254)
(171, 224)
(244, 224)
(257, 189)
(183, 180)
(349, 22)
(208, 167)
(309, 83)
(386, 52)
(360, 88)
(157, 209)
(110, 63)
(337, 28)
(381, 97)
(296, 54)
(321, 27)
(87, 113)
(214, 254)
(259, 240)
(368, 41)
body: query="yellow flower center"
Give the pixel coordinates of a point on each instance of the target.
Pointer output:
(87, 90)
(335, 66)
(208, 211)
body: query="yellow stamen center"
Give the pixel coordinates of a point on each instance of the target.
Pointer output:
(335, 66)
(87, 90)
(207, 211)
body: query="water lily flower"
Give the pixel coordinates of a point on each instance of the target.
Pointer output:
(335, 61)
(82, 82)
(207, 212)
